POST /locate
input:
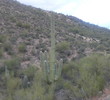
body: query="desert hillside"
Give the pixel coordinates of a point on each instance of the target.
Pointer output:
(25, 31)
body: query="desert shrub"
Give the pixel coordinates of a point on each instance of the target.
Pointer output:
(2, 38)
(12, 84)
(29, 72)
(8, 48)
(12, 64)
(22, 48)
(24, 34)
(74, 89)
(22, 94)
(2, 97)
(97, 64)
(1, 52)
(70, 74)
(38, 90)
(89, 83)
(2, 69)
(13, 39)
(13, 19)
(42, 46)
(23, 25)
(101, 47)
(87, 76)
(92, 72)
(63, 46)
(104, 68)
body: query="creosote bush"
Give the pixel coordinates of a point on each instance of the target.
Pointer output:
(2, 38)
(87, 76)
(12, 64)
(8, 48)
(63, 46)
(37, 90)
(29, 72)
(22, 48)
(23, 25)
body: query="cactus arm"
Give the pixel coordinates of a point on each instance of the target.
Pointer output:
(46, 70)
(60, 67)
(6, 73)
(41, 59)
(45, 56)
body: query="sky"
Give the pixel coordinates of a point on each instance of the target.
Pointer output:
(92, 11)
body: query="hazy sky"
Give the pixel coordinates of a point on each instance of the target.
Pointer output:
(93, 11)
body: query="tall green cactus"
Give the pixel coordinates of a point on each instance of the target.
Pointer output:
(50, 66)
(6, 73)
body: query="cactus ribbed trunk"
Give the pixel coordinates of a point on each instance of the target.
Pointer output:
(52, 50)
(50, 66)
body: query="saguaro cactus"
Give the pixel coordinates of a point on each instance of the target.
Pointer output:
(50, 66)
(6, 73)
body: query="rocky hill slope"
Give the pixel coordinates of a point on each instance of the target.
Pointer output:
(27, 26)
(25, 31)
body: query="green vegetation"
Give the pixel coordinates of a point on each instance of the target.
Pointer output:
(8, 48)
(83, 78)
(24, 35)
(50, 66)
(2, 38)
(63, 46)
(88, 76)
(35, 90)
(12, 64)
(23, 25)
(22, 48)
(1, 52)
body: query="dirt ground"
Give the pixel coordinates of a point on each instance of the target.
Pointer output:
(105, 95)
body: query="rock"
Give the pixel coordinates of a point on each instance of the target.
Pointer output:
(61, 95)
(64, 95)
(107, 98)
